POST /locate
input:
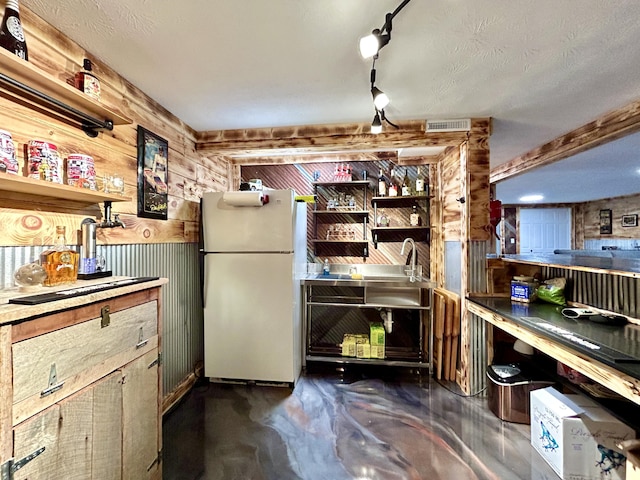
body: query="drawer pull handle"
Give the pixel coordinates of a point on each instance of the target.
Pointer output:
(54, 386)
(141, 342)
(104, 315)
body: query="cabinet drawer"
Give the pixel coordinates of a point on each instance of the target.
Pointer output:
(81, 353)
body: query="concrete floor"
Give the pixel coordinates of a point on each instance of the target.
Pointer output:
(337, 426)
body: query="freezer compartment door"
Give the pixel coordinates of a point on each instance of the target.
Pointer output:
(228, 228)
(252, 318)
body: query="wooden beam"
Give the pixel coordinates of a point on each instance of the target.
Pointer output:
(322, 138)
(610, 126)
(337, 157)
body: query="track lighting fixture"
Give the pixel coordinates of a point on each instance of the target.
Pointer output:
(369, 48)
(380, 99)
(371, 44)
(376, 125)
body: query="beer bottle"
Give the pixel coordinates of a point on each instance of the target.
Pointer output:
(11, 33)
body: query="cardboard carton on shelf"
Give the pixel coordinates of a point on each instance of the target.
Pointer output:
(576, 437)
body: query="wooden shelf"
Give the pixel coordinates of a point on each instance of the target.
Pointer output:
(22, 71)
(392, 202)
(353, 183)
(398, 234)
(341, 248)
(16, 183)
(338, 216)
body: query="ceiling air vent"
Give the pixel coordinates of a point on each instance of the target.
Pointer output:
(458, 125)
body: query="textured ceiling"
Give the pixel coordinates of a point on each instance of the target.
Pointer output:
(539, 68)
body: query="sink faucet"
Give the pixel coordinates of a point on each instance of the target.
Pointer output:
(412, 272)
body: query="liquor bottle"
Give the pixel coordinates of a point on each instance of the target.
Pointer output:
(414, 217)
(420, 183)
(11, 33)
(406, 184)
(60, 262)
(382, 185)
(87, 82)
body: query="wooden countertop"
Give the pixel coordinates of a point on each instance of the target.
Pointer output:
(12, 312)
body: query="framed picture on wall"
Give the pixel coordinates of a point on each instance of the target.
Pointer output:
(630, 220)
(153, 156)
(605, 221)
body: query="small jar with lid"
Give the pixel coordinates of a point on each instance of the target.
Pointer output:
(524, 289)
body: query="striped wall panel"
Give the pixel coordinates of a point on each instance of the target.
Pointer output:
(608, 292)
(477, 279)
(181, 304)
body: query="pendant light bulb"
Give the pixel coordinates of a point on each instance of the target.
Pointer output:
(376, 125)
(369, 45)
(380, 99)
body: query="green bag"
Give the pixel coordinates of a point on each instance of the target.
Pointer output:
(552, 291)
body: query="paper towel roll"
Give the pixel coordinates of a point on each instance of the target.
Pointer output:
(243, 199)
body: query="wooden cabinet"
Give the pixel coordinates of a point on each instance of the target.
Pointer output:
(340, 218)
(86, 390)
(397, 233)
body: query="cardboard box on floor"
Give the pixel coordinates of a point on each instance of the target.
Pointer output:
(576, 437)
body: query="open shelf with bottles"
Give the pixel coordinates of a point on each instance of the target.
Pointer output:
(36, 86)
(31, 186)
(340, 218)
(383, 233)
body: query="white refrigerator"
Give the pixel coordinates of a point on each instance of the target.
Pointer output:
(254, 256)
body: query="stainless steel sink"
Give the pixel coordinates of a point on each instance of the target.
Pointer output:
(387, 278)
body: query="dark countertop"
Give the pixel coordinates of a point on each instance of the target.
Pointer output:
(619, 346)
(622, 266)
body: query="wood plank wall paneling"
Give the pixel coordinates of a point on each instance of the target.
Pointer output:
(450, 186)
(189, 174)
(477, 181)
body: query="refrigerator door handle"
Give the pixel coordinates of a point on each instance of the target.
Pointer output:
(203, 278)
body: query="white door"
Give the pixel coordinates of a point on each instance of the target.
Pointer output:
(250, 321)
(543, 230)
(230, 228)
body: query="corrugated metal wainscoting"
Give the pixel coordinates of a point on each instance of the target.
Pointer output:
(478, 283)
(181, 305)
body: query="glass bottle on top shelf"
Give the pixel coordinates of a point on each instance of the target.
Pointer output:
(393, 184)
(61, 262)
(11, 33)
(420, 183)
(406, 184)
(382, 185)
(87, 82)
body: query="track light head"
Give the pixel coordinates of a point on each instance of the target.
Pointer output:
(380, 99)
(376, 125)
(373, 43)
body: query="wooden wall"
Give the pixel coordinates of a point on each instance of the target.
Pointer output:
(33, 218)
(619, 206)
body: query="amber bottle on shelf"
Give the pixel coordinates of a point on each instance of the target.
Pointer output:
(11, 33)
(86, 81)
(61, 262)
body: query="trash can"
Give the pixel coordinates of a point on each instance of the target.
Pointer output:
(508, 390)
